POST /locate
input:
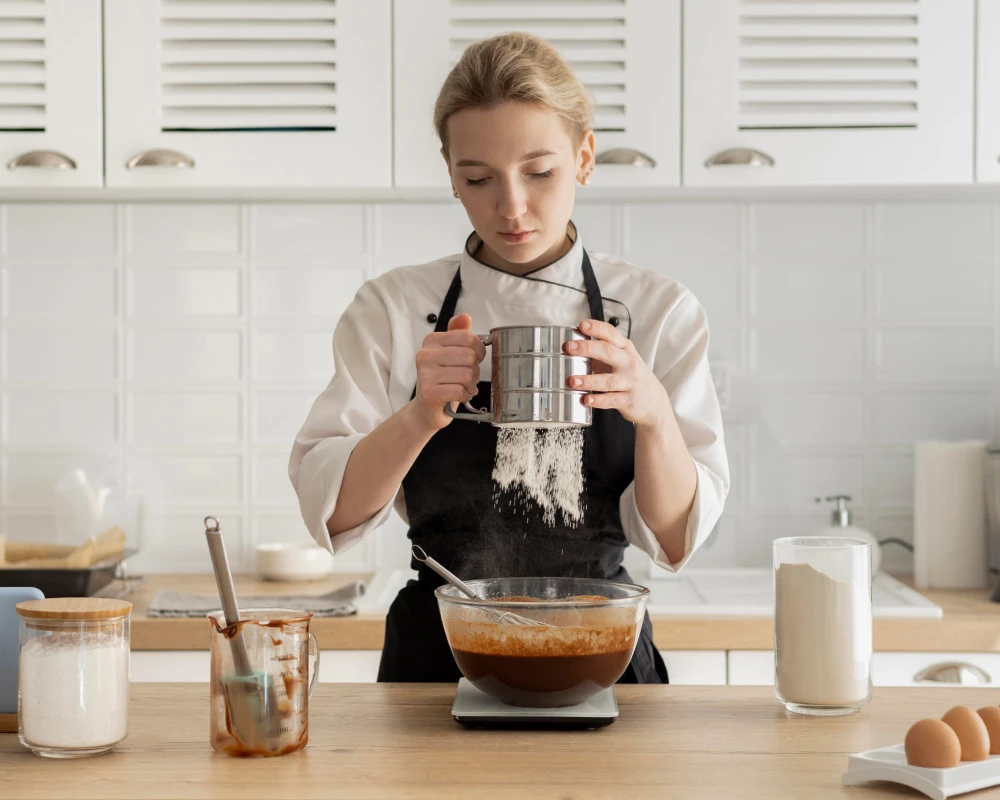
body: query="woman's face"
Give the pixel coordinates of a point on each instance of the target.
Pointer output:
(515, 169)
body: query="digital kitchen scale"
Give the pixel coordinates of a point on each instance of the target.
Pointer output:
(476, 709)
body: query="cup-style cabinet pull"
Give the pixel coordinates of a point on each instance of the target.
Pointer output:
(160, 158)
(626, 156)
(41, 159)
(740, 157)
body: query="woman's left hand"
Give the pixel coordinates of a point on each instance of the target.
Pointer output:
(620, 376)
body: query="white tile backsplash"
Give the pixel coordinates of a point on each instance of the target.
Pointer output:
(290, 233)
(302, 293)
(805, 418)
(61, 231)
(659, 232)
(809, 356)
(192, 338)
(203, 479)
(60, 418)
(810, 232)
(184, 356)
(271, 486)
(943, 354)
(60, 295)
(806, 294)
(185, 418)
(909, 417)
(161, 232)
(942, 235)
(84, 355)
(183, 293)
(293, 356)
(947, 294)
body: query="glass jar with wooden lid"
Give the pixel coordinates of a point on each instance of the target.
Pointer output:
(73, 684)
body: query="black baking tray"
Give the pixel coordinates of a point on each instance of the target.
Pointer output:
(61, 582)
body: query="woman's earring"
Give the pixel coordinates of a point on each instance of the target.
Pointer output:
(454, 193)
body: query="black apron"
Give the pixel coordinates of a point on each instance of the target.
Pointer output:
(449, 495)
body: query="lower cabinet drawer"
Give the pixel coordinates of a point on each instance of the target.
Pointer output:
(756, 668)
(192, 666)
(695, 667)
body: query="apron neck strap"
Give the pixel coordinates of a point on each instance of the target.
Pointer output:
(594, 299)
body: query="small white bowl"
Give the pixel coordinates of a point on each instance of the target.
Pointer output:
(287, 561)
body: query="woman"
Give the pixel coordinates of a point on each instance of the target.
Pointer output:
(513, 123)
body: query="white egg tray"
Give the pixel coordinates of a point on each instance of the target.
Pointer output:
(889, 764)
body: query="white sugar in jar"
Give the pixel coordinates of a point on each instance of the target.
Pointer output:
(73, 682)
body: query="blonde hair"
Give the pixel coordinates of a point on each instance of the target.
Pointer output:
(513, 66)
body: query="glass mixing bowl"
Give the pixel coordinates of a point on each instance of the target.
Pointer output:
(591, 632)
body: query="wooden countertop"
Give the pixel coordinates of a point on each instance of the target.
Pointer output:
(971, 623)
(399, 740)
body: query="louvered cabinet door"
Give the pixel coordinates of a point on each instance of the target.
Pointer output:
(264, 93)
(50, 93)
(626, 53)
(810, 92)
(988, 91)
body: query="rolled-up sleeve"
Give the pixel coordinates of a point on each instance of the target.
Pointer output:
(354, 403)
(681, 365)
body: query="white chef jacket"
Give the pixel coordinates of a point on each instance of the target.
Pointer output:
(378, 336)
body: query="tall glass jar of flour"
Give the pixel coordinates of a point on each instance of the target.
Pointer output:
(822, 624)
(73, 675)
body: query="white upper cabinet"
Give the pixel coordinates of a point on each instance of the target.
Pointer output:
(810, 92)
(50, 93)
(626, 52)
(988, 100)
(248, 93)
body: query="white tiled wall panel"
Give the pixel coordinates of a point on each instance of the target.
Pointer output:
(290, 233)
(58, 355)
(811, 232)
(943, 354)
(945, 294)
(301, 293)
(60, 295)
(189, 480)
(61, 232)
(163, 232)
(185, 418)
(183, 356)
(802, 293)
(278, 415)
(60, 418)
(191, 339)
(940, 235)
(293, 356)
(183, 293)
(809, 356)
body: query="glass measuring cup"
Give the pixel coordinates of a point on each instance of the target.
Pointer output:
(266, 714)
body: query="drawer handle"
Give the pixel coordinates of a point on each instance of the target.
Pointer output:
(956, 672)
(627, 156)
(46, 159)
(740, 157)
(160, 158)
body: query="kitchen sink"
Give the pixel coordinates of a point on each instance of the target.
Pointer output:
(702, 593)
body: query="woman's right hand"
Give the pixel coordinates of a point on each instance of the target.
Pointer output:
(447, 371)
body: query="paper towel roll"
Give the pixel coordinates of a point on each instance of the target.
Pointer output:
(949, 516)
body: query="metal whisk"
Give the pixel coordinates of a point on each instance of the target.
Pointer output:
(507, 617)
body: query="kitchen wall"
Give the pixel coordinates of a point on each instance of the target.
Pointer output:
(188, 340)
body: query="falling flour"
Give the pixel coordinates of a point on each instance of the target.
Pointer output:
(543, 466)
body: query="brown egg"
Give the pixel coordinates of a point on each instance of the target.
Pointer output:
(932, 743)
(972, 732)
(991, 716)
